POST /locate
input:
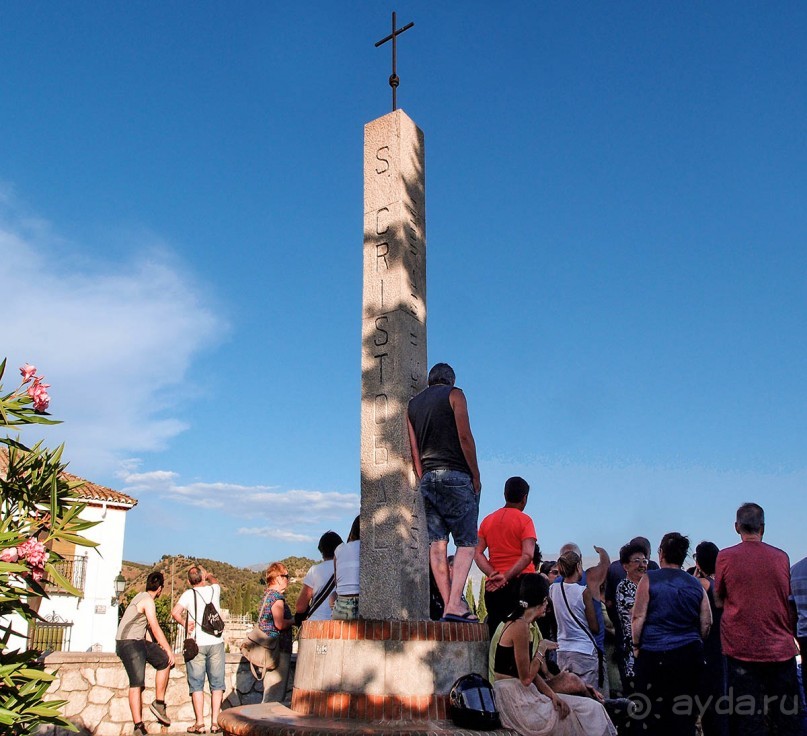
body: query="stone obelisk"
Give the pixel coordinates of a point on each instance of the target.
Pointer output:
(392, 663)
(394, 551)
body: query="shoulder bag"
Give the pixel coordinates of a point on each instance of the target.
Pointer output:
(189, 647)
(261, 650)
(316, 601)
(600, 662)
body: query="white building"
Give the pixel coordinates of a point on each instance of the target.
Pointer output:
(89, 622)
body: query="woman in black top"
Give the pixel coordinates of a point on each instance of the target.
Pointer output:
(525, 701)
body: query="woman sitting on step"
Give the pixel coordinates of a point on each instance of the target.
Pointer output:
(525, 702)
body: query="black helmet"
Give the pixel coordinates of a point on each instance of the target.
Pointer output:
(472, 705)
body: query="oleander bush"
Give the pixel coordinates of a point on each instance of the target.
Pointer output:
(38, 507)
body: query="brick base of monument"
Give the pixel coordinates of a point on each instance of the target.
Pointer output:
(391, 670)
(368, 677)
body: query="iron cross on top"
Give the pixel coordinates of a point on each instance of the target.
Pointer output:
(393, 80)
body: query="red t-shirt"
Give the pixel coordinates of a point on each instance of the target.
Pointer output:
(503, 531)
(753, 579)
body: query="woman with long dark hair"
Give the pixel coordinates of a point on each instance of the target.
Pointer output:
(525, 701)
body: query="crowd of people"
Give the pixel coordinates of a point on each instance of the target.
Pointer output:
(714, 644)
(330, 590)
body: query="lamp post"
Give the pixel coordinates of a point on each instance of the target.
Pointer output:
(120, 586)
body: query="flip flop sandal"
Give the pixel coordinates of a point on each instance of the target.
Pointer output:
(196, 729)
(465, 618)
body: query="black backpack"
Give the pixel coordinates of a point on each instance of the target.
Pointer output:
(472, 705)
(211, 620)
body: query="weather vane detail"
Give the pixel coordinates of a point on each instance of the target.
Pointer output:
(394, 81)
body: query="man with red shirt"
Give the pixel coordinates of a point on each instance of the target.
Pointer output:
(509, 536)
(752, 585)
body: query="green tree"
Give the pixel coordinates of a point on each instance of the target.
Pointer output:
(37, 508)
(481, 608)
(469, 596)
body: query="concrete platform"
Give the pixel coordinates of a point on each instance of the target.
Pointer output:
(384, 670)
(274, 719)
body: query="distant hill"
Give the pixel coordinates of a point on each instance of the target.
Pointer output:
(297, 566)
(241, 588)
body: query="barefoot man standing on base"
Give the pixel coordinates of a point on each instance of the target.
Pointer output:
(444, 456)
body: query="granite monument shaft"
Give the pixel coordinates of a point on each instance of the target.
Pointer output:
(394, 555)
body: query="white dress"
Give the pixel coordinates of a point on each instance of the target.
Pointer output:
(528, 711)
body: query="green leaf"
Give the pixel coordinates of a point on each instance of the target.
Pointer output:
(57, 578)
(9, 567)
(44, 710)
(77, 540)
(54, 497)
(37, 674)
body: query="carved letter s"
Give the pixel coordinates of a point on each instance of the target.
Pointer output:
(385, 161)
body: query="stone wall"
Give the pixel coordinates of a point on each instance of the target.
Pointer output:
(96, 689)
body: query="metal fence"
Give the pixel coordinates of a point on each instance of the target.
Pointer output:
(175, 635)
(74, 569)
(53, 635)
(246, 620)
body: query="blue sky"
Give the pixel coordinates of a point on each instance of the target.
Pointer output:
(617, 266)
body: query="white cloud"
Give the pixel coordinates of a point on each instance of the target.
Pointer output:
(113, 340)
(240, 500)
(154, 480)
(282, 534)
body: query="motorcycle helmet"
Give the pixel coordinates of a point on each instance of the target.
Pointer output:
(472, 705)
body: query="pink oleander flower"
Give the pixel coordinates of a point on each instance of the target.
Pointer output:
(9, 554)
(41, 402)
(33, 552)
(37, 573)
(39, 394)
(27, 372)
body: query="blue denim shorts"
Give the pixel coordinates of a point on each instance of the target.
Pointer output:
(452, 506)
(210, 660)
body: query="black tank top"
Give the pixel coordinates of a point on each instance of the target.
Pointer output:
(504, 661)
(433, 420)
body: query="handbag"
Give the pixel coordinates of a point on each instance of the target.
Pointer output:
(261, 650)
(189, 647)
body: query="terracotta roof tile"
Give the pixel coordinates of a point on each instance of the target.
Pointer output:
(88, 492)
